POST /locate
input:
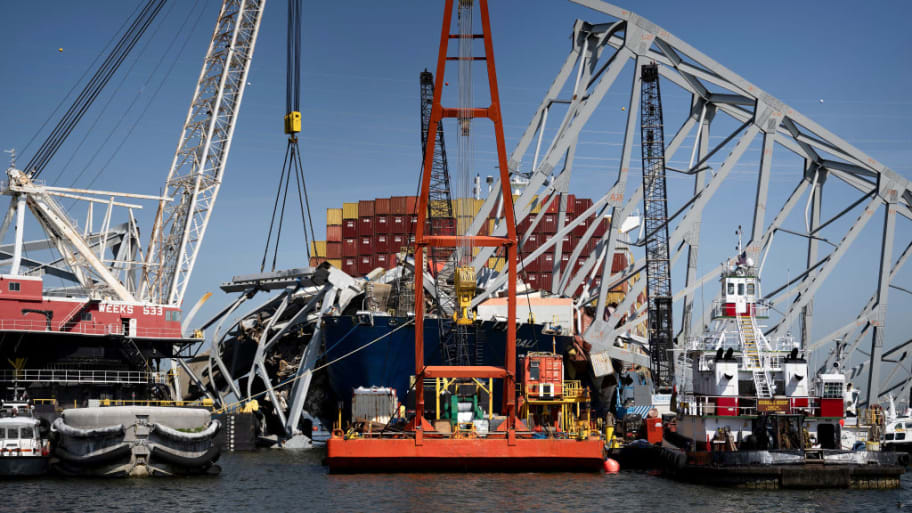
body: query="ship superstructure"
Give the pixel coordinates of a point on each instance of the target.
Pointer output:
(738, 380)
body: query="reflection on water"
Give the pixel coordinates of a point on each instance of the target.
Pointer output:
(296, 481)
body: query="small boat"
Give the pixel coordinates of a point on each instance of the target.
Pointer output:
(23, 451)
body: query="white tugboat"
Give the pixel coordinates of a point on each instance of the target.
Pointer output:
(751, 413)
(23, 452)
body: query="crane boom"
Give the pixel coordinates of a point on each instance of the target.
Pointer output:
(655, 208)
(199, 162)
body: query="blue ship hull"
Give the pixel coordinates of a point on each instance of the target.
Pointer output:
(391, 361)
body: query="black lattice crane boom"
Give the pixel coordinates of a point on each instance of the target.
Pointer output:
(655, 218)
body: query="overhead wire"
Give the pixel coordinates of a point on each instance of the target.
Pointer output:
(93, 88)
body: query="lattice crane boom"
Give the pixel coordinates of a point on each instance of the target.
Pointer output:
(199, 162)
(655, 217)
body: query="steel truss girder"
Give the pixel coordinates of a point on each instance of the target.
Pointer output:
(716, 90)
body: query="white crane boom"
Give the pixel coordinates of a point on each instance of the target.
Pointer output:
(199, 162)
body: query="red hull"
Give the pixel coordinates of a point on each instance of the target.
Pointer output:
(464, 455)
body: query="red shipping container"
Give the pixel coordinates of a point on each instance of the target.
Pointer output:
(365, 264)
(365, 226)
(393, 260)
(334, 233)
(530, 264)
(524, 225)
(548, 224)
(349, 247)
(567, 244)
(381, 224)
(398, 205)
(333, 249)
(602, 227)
(349, 228)
(544, 280)
(580, 229)
(618, 263)
(590, 246)
(366, 245)
(399, 224)
(411, 205)
(381, 207)
(350, 265)
(581, 205)
(565, 259)
(554, 206)
(381, 244)
(546, 263)
(398, 242)
(366, 208)
(382, 260)
(531, 244)
(532, 280)
(413, 224)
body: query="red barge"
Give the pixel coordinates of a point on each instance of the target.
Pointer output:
(463, 436)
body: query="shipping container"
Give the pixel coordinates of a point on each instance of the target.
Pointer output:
(478, 204)
(411, 205)
(565, 259)
(580, 229)
(496, 264)
(335, 262)
(366, 226)
(382, 207)
(382, 260)
(393, 260)
(619, 263)
(365, 264)
(590, 246)
(349, 247)
(548, 224)
(554, 205)
(366, 245)
(398, 205)
(531, 244)
(544, 283)
(318, 248)
(349, 211)
(350, 265)
(333, 216)
(399, 224)
(397, 242)
(334, 233)
(381, 224)
(314, 261)
(333, 250)
(532, 280)
(464, 207)
(413, 224)
(567, 244)
(602, 227)
(546, 263)
(366, 208)
(523, 226)
(381, 243)
(581, 205)
(349, 228)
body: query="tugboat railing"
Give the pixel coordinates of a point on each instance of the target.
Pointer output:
(707, 406)
(82, 376)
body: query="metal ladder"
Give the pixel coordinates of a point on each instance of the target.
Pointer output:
(762, 380)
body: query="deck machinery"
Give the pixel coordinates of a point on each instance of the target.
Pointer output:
(508, 445)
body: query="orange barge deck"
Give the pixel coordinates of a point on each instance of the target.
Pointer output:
(493, 454)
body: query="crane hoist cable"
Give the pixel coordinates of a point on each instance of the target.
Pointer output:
(292, 162)
(94, 87)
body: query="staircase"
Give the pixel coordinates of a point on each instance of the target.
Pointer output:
(762, 380)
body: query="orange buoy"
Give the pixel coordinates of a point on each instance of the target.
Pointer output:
(612, 466)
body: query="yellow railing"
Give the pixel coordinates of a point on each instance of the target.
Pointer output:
(205, 403)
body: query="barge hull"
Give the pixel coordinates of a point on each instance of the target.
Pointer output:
(479, 455)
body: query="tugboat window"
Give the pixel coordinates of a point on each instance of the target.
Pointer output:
(750, 289)
(740, 289)
(832, 390)
(26, 433)
(2, 433)
(731, 288)
(86, 316)
(14, 286)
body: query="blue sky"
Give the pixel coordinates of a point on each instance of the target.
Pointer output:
(360, 89)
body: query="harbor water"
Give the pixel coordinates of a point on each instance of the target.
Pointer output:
(296, 481)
